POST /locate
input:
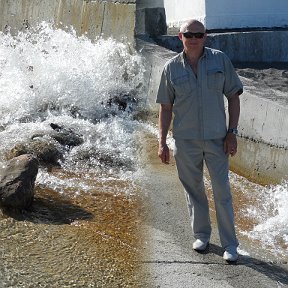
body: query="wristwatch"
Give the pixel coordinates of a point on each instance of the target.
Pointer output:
(233, 130)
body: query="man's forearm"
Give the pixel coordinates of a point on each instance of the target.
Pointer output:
(165, 118)
(234, 111)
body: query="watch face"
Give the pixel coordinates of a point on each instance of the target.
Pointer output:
(233, 130)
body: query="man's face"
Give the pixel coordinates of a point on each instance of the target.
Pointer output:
(194, 37)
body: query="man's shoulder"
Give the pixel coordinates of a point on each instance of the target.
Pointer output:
(175, 60)
(214, 52)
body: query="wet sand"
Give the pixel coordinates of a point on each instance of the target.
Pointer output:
(272, 75)
(264, 77)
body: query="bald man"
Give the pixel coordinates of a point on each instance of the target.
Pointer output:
(192, 87)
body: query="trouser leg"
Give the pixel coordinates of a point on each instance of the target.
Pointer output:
(218, 166)
(189, 160)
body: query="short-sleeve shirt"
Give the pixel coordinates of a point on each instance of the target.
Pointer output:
(198, 102)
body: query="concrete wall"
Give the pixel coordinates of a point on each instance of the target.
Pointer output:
(149, 4)
(254, 46)
(223, 14)
(261, 46)
(96, 17)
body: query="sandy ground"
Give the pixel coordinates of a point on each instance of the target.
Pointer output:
(274, 75)
(268, 80)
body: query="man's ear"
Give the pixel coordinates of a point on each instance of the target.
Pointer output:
(180, 35)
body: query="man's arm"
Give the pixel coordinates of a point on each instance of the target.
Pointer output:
(230, 143)
(165, 118)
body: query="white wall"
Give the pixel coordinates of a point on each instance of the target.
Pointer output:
(221, 14)
(246, 13)
(178, 11)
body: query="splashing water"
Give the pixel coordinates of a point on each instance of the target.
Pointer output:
(51, 76)
(261, 214)
(271, 216)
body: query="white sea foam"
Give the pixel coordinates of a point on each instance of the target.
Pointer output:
(271, 215)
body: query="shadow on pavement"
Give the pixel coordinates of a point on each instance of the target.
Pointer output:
(271, 270)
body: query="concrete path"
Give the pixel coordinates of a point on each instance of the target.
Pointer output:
(170, 260)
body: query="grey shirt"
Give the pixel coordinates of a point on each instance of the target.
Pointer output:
(198, 102)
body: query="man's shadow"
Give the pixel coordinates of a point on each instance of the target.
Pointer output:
(271, 270)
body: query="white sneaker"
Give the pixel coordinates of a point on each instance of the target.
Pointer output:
(200, 245)
(230, 256)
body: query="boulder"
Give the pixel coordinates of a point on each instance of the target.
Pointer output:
(64, 136)
(17, 182)
(45, 150)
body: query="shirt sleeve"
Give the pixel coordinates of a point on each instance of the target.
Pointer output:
(233, 84)
(165, 93)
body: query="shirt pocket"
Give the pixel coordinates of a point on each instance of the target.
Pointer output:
(182, 86)
(215, 79)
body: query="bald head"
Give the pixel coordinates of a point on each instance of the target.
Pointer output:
(192, 25)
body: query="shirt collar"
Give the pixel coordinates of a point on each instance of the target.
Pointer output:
(184, 58)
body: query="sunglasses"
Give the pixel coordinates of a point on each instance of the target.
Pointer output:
(198, 35)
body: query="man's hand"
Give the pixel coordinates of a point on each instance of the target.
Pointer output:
(163, 153)
(230, 144)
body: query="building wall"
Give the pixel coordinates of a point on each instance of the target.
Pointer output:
(246, 13)
(224, 14)
(178, 11)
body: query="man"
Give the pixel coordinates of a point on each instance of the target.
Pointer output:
(192, 87)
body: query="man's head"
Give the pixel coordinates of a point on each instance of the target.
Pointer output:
(193, 35)
(192, 25)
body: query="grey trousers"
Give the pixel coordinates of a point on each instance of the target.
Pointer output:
(190, 156)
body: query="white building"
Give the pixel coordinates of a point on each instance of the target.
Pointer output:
(224, 14)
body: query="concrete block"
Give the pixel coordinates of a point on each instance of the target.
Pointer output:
(114, 18)
(119, 21)
(155, 59)
(151, 21)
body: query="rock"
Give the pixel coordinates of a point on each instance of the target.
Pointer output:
(17, 182)
(44, 150)
(104, 159)
(122, 101)
(65, 136)
(48, 148)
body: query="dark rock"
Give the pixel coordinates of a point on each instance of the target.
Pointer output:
(44, 150)
(122, 101)
(48, 148)
(65, 136)
(105, 159)
(17, 181)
